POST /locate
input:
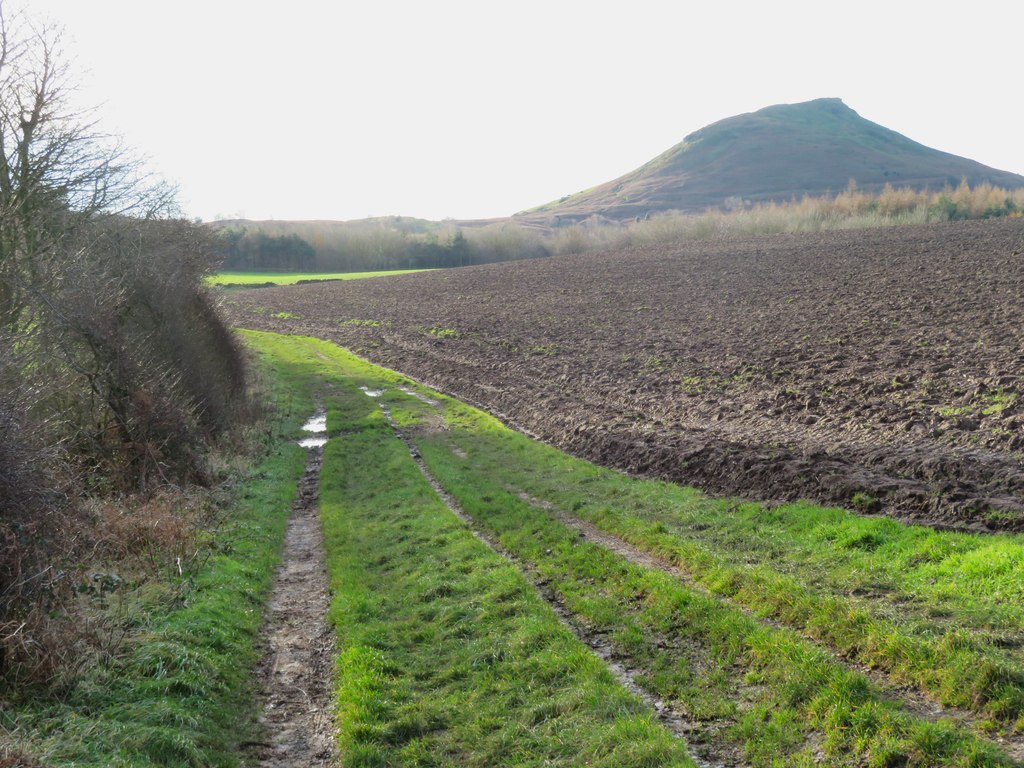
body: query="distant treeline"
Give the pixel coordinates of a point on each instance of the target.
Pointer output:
(371, 245)
(406, 243)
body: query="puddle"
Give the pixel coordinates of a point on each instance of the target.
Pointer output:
(317, 422)
(317, 425)
(372, 392)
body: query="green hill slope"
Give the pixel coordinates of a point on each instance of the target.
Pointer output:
(776, 153)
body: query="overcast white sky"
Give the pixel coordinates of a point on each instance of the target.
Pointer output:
(309, 109)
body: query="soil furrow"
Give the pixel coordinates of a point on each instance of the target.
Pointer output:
(699, 735)
(296, 671)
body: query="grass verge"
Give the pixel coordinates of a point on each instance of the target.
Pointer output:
(939, 610)
(180, 693)
(177, 691)
(774, 694)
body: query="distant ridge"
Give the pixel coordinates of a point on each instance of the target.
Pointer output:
(777, 153)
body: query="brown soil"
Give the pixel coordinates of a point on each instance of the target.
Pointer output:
(880, 369)
(296, 672)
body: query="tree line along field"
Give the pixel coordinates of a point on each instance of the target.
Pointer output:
(878, 369)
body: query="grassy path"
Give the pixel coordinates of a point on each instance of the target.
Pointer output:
(758, 689)
(448, 657)
(626, 673)
(933, 610)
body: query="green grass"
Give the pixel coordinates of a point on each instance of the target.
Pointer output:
(781, 695)
(447, 656)
(290, 278)
(942, 611)
(777, 698)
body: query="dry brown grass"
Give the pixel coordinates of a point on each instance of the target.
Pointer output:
(108, 549)
(164, 525)
(850, 209)
(11, 757)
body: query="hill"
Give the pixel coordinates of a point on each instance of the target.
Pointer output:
(774, 154)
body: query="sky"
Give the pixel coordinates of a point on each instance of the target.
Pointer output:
(309, 109)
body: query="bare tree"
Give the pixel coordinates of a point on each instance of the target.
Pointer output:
(57, 170)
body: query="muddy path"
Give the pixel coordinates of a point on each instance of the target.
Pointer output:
(881, 370)
(296, 672)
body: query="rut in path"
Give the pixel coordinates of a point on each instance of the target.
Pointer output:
(296, 672)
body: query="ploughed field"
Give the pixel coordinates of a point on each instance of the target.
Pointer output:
(879, 369)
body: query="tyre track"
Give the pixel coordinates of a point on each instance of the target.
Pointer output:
(296, 672)
(909, 698)
(699, 735)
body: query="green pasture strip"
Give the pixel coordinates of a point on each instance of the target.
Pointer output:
(940, 610)
(778, 698)
(290, 278)
(785, 700)
(447, 655)
(182, 693)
